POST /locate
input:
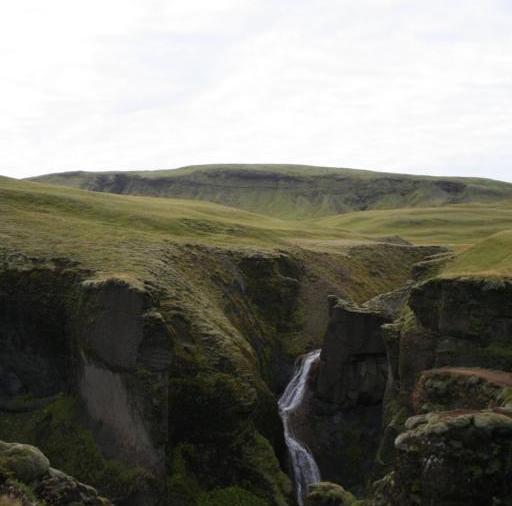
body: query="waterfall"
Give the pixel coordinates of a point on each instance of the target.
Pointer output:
(305, 469)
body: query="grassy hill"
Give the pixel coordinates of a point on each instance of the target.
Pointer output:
(124, 233)
(290, 191)
(457, 226)
(121, 233)
(490, 258)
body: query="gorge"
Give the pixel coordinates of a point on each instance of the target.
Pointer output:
(148, 350)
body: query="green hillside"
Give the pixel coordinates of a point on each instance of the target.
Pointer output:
(454, 225)
(491, 257)
(290, 191)
(123, 233)
(120, 233)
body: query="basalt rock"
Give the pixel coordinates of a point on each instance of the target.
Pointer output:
(353, 363)
(461, 388)
(447, 355)
(349, 386)
(478, 311)
(329, 494)
(451, 459)
(449, 323)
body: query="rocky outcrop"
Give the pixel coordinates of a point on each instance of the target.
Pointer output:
(329, 494)
(451, 459)
(353, 363)
(345, 412)
(449, 322)
(471, 319)
(461, 388)
(448, 352)
(90, 363)
(26, 476)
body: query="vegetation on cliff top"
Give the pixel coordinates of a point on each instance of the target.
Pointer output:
(122, 233)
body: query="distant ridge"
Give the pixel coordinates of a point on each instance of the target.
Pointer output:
(290, 191)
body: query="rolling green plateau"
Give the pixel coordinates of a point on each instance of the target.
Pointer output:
(291, 191)
(149, 327)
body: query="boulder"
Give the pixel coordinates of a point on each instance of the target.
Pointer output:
(26, 463)
(328, 494)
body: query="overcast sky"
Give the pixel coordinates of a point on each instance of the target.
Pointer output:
(411, 86)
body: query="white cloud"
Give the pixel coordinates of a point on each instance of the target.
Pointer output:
(410, 86)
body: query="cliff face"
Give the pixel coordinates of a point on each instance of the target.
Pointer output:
(79, 346)
(349, 388)
(354, 366)
(430, 363)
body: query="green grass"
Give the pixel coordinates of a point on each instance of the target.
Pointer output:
(455, 225)
(491, 257)
(290, 191)
(128, 234)
(119, 233)
(299, 170)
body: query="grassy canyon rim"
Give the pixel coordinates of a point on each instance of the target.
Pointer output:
(256, 207)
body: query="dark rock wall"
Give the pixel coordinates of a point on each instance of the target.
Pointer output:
(353, 364)
(345, 413)
(449, 353)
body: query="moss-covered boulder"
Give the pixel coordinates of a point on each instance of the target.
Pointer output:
(451, 458)
(329, 494)
(25, 462)
(27, 478)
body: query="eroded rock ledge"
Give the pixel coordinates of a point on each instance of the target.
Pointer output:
(449, 459)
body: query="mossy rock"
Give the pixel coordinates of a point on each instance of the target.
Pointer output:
(232, 496)
(247, 462)
(25, 462)
(454, 458)
(329, 494)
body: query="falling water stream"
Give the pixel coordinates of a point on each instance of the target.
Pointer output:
(305, 469)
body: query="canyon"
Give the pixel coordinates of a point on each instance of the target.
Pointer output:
(145, 352)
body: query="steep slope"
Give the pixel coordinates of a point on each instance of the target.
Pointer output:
(290, 191)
